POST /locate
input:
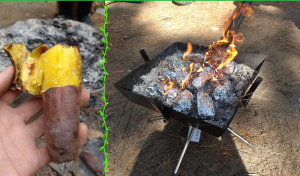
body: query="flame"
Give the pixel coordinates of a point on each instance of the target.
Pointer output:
(200, 70)
(191, 69)
(214, 78)
(218, 55)
(188, 51)
(171, 84)
(232, 52)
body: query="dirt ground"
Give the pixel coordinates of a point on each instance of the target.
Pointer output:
(270, 121)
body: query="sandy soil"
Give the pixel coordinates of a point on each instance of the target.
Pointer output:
(270, 121)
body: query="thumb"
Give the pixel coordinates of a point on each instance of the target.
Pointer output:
(6, 77)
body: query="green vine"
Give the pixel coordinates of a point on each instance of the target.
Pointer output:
(104, 116)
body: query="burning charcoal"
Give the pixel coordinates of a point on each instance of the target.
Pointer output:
(198, 82)
(155, 89)
(197, 66)
(204, 75)
(181, 77)
(170, 97)
(223, 91)
(184, 102)
(207, 73)
(170, 75)
(230, 68)
(205, 106)
(197, 57)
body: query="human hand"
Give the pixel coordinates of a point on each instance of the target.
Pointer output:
(19, 154)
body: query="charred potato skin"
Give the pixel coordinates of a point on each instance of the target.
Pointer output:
(62, 114)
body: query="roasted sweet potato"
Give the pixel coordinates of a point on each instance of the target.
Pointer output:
(55, 75)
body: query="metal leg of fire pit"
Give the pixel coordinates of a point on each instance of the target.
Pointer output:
(240, 137)
(189, 136)
(155, 118)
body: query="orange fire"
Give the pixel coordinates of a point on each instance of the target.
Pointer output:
(191, 69)
(216, 52)
(188, 51)
(200, 70)
(167, 88)
(219, 54)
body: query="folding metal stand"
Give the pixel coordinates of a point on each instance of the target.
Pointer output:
(189, 137)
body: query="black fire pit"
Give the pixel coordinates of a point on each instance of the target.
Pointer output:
(125, 86)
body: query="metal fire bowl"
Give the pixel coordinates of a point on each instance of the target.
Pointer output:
(126, 84)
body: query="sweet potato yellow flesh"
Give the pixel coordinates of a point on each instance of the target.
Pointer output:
(55, 75)
(44, 68)
(62, 67)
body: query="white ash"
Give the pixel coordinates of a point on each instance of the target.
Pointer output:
(170, 75)
(220, 97)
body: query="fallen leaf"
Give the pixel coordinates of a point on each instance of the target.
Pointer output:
(93, 134)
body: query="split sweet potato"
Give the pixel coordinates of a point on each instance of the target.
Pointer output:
(55, 75)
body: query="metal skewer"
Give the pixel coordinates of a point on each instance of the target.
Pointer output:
(240, 137)
(189, 136)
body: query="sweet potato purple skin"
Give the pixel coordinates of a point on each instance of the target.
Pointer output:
(92, 163)
(61, 107)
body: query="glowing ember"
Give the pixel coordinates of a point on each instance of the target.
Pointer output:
(214, 78)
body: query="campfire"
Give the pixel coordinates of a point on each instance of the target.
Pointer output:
(204, 85)
(196, 85)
